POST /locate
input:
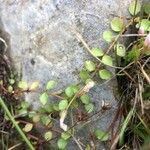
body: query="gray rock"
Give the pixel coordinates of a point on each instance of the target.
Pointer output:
(43, 45)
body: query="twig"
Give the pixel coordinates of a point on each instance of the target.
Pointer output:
(80, 37)
(55, 95)
(145, 74)
(4, 132)
(13, 147)
(146, 62)
(113, 146)
(80, 147)
(140, 96)
(133, 35)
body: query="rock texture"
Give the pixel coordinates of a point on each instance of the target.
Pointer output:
(43, 45)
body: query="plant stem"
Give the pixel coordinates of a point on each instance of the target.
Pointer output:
(16, 125)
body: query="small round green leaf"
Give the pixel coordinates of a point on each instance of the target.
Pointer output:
(50, 84)
(56, 107)
(31, 114)
(48, 135)
(25, 104)
(84, 75)
(105, 74)
(85, 99)
(11, 81)
(10, 89)
(120, 50)
(147, 8)
(63, 104)
(75, 89)
(97, 52)
(45, 119)
(41, 110)
(28, 127)
(101, 135)
(117, 24)
(44, 98)
(89, 107)
(88, 147)
(49, 108)
(62, 143)
(90, 66)
(69, 91)
(36, 118)
(134, 7)
(34, 85)
(65, 135)
(107, 60)
(23, 85)
(145, 24)
(107, 36)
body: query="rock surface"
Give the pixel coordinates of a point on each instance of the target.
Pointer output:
(43, 45)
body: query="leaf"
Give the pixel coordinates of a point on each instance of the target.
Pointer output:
(147, 8)
(24, 104)
(105, 74)
(44, 98)
(88, 147)
(65, 135)
(45, 119)
(31, 114)
(50, 84)
(145, 24)
(75, 89)
(89, 107)
(63, 104)
(28, 127)
(134, 7)
(90, 66)
(34, 85)
(84, 75)
(22, 112)
(36, 118)
(10, 89)
(101, 135)
(69, 91)
(41, 110)
(107, 36)
(120, 50)
(48, 135)
(107, 60)
(62, 143)
(11, 81)
(117, 24)
(85, 99)
(97, 52)
(23, 85)
(56, 107)
(49, 108)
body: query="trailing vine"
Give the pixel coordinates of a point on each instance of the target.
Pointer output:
(74, 109)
